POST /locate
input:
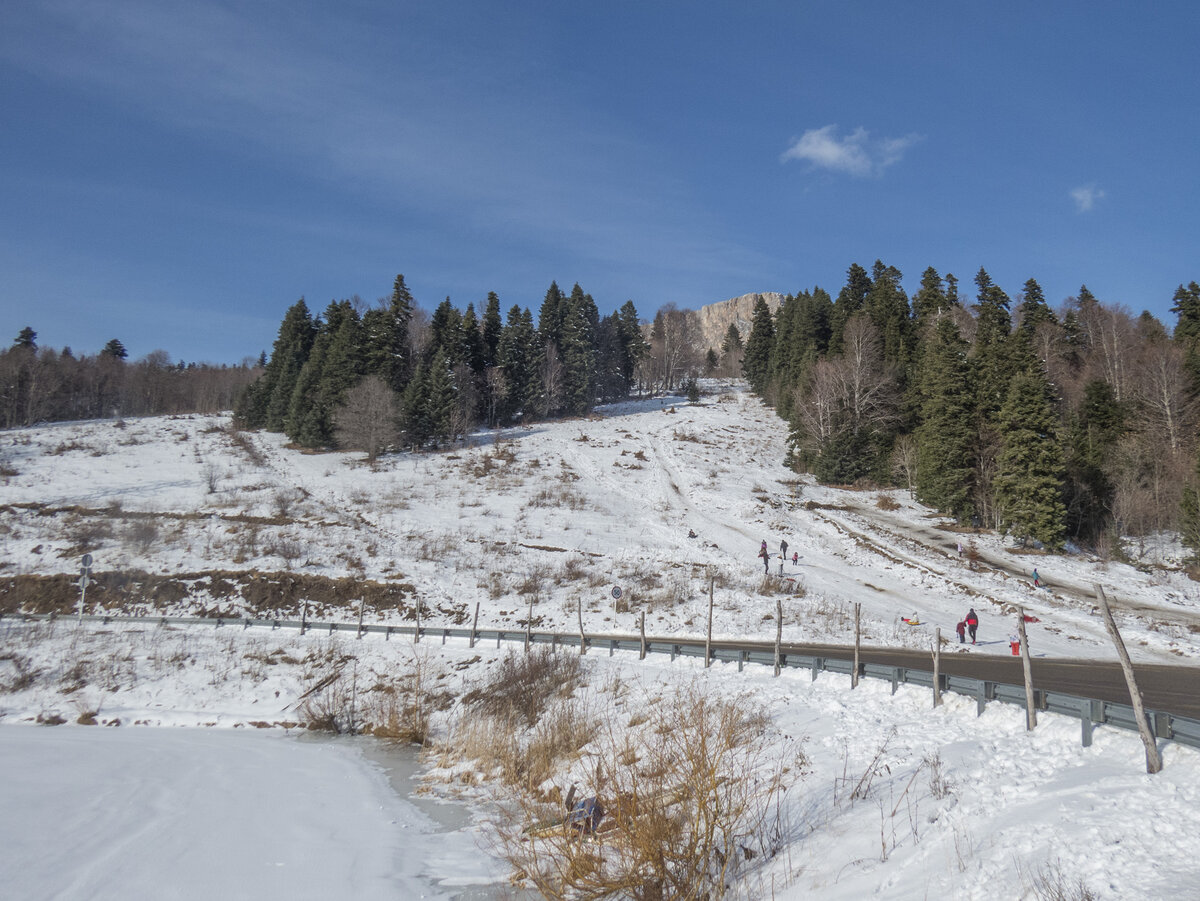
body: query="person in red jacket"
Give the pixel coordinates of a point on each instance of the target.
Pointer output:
(961, 628)
(972, 622)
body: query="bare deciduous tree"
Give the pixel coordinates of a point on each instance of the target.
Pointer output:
(367, 419)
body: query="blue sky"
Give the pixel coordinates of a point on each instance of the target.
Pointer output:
(176, 174)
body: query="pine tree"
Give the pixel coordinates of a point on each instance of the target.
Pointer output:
(335, 365)
(633, 340)
(887, 305)
(945, 437)
(445, 333)
(515, 355)
(1094, 431)
(442, 399)
(993, 366)
(930, 301)
(551, 315)
(1029, 477)
(756, 364)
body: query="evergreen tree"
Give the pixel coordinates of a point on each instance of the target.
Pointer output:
(930, 301)
(387, 352)
(445, 334)
(1187, 329)
(1029, 477)
(633, 340)
(577, 345)
(711, 361)
(850, 300)
(414, 408)
(473, 352)
(993, 367)
(551, 315)
(732, 343)
(887, 305)
(335, 365)
(756, 364)
(1033, 310)
(442, 399)
(945, 437)
(115, 350)
(288, 356)
(493, 325)
(26, 339)
(1094, 431)
(515, 355)
(1189, 519)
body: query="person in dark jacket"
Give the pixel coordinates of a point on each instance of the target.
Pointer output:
(972, 622)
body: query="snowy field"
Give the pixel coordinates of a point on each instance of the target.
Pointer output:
(659, 498)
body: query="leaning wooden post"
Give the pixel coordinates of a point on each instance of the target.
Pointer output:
(778, 635)
(857, 642)
(642, 630)
(937, 666)
(708, 638)
(304, 618)
(361, 604)
(1030, 709)
(582, 637)
(417, 633)
(528, 624)
(1153, 758)
(474, 625)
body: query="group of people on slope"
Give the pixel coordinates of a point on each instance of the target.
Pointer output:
(765, 556)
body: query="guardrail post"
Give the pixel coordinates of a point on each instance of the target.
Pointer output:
(1162, 725)
(612, 646)
(642, 631)
(895, 678)
(817, 666)
(674, 650)
(445, 635)
(387, 634)
(304, 618)
(743, 656)
(1085, 719)
(857, 642)
(582, 638)
(981, 698)
(474, 625)
(499, 638)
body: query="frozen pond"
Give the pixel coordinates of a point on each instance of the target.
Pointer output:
(127, 813)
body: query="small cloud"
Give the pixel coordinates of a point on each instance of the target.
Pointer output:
(855, 154)
(1086, 197)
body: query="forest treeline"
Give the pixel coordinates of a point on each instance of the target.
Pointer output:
(390, 376)
(41, 384)
(1079, 425)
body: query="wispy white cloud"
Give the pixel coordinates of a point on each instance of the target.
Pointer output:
(1086, 197)
(855, 154)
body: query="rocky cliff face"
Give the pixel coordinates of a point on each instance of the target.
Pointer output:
(713, 320)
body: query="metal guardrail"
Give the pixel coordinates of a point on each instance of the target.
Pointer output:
(1089, 711)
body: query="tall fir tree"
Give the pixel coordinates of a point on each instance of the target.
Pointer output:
(577, 344)
(756, 364)
(265, 404)
(1029, 469)
(385, 333)
(493, 325)
(945, 437)
(850, 300)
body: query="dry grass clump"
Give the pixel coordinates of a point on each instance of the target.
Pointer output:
(884, 502)
(523, 685)
(691, 800)
(561, 496)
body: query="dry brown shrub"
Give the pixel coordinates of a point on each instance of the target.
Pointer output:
(884, 502)
(524, 684)
(692, 798)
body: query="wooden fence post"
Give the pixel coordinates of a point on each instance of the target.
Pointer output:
(778, 635)
(361, 604)
(708, 637)
(474, 625)
(582, 637)
(417, 631)
(528, 624)
(642, 630)
(1153, 758)
(857, 642)
(937, 666)
(1027, 669)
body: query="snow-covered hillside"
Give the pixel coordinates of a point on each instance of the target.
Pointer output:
(657, 497)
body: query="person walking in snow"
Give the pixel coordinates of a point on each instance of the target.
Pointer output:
(766, 558)
(961, 629)
(1037, 580)
(972, 621)
(795, 558)
(783, 548)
